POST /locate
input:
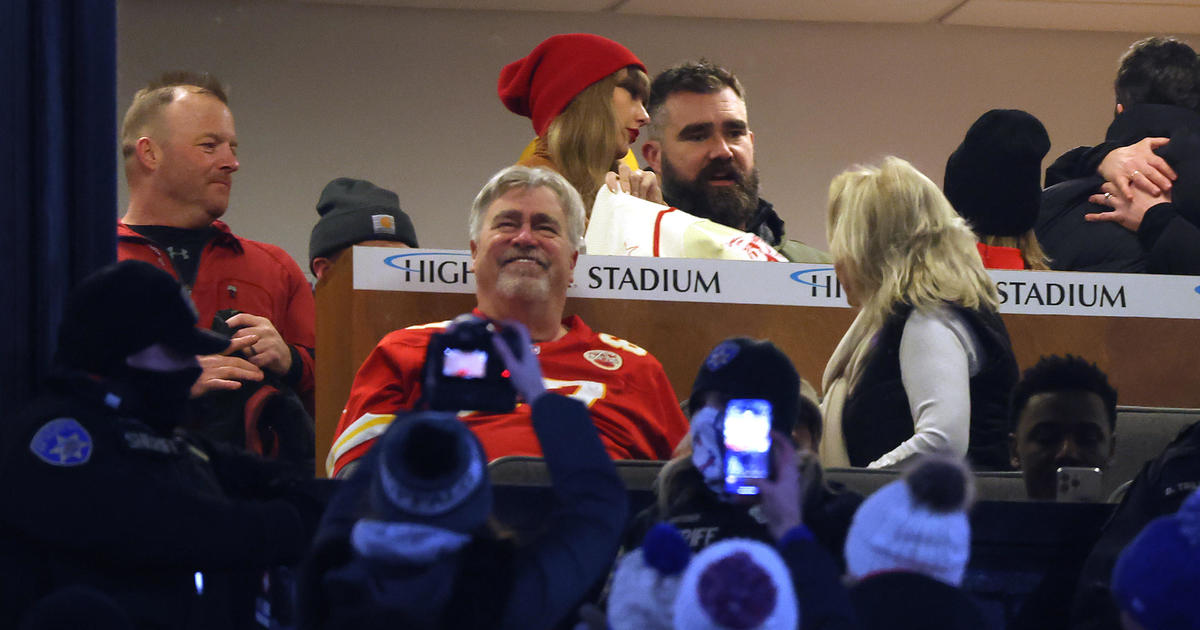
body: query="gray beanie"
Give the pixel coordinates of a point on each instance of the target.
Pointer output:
(353, 211)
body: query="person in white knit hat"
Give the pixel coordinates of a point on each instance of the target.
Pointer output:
(908, 548)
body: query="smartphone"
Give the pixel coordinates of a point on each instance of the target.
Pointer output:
(1079, 484)
(747, 436)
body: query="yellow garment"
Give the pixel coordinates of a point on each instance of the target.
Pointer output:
(629, 160)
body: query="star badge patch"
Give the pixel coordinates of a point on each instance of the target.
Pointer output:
(62, 442)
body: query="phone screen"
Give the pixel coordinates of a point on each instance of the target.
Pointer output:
(459, 363)
(747, 435)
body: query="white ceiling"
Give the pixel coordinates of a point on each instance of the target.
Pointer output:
(1137, 16)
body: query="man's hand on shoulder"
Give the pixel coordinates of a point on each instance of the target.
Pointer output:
(1126, 212)
(1138, 166)
(222, 371)
(270, 352)
(640, 184)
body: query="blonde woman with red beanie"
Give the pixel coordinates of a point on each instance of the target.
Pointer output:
(585, 95)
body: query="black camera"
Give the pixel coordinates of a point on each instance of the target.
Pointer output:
(463, 371)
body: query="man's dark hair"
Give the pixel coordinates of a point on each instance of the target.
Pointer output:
(1159, 71)
(1055, 373)
(698, 77)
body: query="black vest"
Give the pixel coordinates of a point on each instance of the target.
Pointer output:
(876, 417)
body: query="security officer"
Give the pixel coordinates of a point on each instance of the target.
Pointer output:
(100, 490)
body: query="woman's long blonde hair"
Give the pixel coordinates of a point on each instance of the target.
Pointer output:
(584, 139)
(901, 243)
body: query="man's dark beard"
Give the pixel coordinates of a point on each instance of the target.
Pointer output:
(728, 205)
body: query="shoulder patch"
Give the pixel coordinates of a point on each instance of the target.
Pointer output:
(62, 442)
(604, 359)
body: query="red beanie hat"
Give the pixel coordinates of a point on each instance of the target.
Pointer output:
(542, 84)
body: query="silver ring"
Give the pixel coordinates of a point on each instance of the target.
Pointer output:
(1136, 173)
(1107, 196)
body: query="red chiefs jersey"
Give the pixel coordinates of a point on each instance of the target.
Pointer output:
(625, 388)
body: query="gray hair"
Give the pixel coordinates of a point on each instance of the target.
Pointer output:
(523, 177)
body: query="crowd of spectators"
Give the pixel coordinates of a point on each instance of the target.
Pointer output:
(164, 479)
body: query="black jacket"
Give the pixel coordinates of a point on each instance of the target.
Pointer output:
(172, 528)
(824, 603)
(1159, 489)
(899, 600)
(1167, 242)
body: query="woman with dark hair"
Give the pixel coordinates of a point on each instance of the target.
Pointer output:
(994, 180)
(586, 97)
(927, 365)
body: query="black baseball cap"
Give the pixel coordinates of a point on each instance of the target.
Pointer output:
(123, 309)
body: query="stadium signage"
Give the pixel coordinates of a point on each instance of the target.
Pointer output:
(786, 284)
(432, 267)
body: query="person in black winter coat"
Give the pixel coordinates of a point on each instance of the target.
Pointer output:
(101, 493)
(1167, 225)
(406, 544)
(1158, 108)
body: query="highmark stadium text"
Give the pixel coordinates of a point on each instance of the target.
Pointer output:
(649, 279)
(1084, 294)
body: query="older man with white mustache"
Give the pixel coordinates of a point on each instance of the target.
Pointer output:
(526, 229)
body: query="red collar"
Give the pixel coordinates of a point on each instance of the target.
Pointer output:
(225, 236)
(996, 257)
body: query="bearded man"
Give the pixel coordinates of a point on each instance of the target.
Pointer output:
(702, 147)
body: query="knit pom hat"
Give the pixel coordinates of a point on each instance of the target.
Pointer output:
(917, 524)
(353, 211)
(542, 84)
(646, 581)
(747, 368)
(737, 584)
(994, 178)
(1157, 577)
(431, 470)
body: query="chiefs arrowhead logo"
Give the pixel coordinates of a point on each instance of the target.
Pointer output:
(604, 359)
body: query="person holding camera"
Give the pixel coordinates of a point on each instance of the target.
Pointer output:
(406, 543)
(526, 228)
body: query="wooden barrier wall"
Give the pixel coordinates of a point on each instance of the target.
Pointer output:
(1152, 362)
